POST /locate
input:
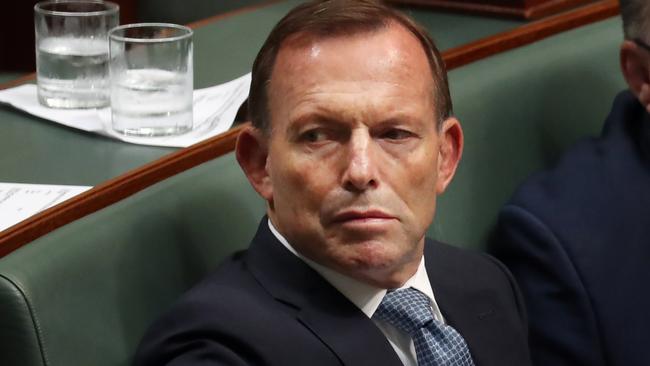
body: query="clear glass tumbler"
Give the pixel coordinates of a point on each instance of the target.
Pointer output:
(151, 79)
(72, 52)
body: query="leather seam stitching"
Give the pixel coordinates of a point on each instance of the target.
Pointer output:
(35, 323)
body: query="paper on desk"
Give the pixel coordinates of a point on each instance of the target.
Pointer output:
(214, 112)
(19, 201)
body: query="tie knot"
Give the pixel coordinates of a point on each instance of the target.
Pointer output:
(406, 309)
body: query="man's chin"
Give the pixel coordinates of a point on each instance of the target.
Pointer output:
(379, 264)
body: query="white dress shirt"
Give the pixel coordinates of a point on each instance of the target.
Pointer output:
(367, 298)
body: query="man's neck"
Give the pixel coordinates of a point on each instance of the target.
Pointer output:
(365, 296)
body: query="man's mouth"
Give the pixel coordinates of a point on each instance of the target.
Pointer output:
(362, 217)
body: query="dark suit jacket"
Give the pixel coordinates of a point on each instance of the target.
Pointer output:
(267, 307)
(577, 239)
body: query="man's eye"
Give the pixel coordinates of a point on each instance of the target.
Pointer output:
(396, 134)
(314, 136)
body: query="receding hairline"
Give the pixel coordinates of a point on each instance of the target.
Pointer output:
(308, 36)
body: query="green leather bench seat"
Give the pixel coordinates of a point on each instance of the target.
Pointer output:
(520, 110)
(84, 294)
(184, 11)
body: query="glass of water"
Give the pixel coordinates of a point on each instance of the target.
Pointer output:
(151, 79)
(72, 52)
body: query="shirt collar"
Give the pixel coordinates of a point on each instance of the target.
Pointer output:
(366, 297)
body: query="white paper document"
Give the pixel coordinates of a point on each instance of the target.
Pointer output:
(19, 201)
(214, 112)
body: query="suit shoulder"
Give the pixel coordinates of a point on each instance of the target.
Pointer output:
(208, 320)
(480, 287)
(470, 270)
(462, 260)
(230, 288)
(572, 178)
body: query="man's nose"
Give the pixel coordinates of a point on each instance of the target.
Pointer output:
(360, 171)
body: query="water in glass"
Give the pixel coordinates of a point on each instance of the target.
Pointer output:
(151, 102)
(73, 72)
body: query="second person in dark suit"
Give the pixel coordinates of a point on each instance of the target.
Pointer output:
(577, 237)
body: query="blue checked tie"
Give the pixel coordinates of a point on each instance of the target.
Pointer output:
(436, 344)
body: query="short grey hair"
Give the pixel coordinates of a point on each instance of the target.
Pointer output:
(636, 19)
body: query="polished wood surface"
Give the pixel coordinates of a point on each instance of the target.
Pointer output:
(132, 182)
(529, 33)
(522, 9)
(21, 80)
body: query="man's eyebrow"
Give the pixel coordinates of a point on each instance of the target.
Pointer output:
(338, 117)
(397, 118)
(319, 116)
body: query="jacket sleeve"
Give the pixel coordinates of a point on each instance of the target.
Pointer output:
(562, 323)
(196, 332)
(198, 352)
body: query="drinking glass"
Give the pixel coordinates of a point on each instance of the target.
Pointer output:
(151, 79)
(72, 52)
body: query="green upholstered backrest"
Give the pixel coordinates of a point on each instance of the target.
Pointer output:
(186, 11)
(85, 293)
(448, 29)
(520, 110)
(9, 76)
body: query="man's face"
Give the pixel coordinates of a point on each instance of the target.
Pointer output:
(353, 162)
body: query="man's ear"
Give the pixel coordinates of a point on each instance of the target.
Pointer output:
(635, 65)
(252, 154)
(450, 151)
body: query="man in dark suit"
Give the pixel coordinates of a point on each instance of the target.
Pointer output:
(352, 140)
(577, 237)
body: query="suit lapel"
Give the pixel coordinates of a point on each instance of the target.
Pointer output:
(469, 312)
(353, 337)
(329, 315)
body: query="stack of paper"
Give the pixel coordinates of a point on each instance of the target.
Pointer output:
(215, 109)
(20, 201)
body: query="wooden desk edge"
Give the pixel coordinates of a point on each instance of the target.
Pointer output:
(529, 33)
(117, 189)
(503, 10)
(136, 180)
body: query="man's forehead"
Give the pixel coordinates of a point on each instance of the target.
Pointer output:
(390, 45)
(305, 40)
(329, 73)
